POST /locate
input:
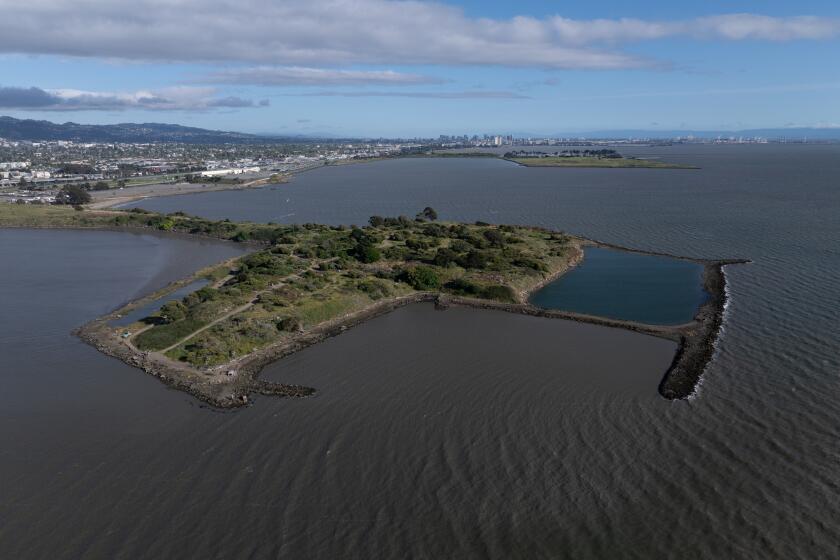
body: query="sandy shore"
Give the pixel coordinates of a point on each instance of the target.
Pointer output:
(116, 197)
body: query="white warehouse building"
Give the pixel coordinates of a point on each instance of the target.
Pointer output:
(236, 171)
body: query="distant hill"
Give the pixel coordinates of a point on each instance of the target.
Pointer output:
(26, 129)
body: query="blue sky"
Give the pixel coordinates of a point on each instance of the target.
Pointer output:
(384, 68)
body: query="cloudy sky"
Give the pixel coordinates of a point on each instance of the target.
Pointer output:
(382, 67)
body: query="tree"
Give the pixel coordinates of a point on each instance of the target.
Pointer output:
(72, 194)
(367, 253)
(100, 186)
(173, 311)
(428, 213)
(376, 221)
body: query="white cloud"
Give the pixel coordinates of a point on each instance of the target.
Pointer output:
(303, 76)
(478, 94)
(343, 32)
(171, 99)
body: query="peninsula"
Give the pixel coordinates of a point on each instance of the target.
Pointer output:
(304, 283)
(588, 158)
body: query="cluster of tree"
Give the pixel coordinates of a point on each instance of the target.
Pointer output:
(97, 186)
(73, 195)
(77, 169)
(213, 179)
(365, 249)
(464, 287)
(428, 214)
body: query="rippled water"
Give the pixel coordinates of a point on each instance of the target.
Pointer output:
(460, 434)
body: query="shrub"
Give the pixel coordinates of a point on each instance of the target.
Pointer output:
(367, 253)
(495, 237)
(445, 257)
(473, 259)
(460, 246)
(416, 244)
(375, 288)
(464, 287)
(499, 293)
(289, 324)
(526, 262)
(173, 311)
(421, 278)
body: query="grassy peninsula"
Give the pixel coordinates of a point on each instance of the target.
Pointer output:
(312, 274)
(304, 279)
(304, 283)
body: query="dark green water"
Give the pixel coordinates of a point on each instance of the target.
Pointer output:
(630, 286)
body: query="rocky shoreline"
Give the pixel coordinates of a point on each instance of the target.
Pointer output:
(697, 341)
(231, 385)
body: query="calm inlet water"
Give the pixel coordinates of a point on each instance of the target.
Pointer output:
(631, 286)
(145, 310)
(456, 434)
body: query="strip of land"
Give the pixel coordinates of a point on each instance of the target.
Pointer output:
(612, 162)
(304, 283)
(116, 197)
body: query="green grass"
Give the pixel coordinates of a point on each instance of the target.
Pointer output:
(164, 336)
(558, 161)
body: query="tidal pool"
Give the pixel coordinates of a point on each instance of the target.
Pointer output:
(630, 286)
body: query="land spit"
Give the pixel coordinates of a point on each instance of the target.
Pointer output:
(230, 385)
(103, 200)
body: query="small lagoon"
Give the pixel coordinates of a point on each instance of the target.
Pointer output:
(629, 286)
(145, 310)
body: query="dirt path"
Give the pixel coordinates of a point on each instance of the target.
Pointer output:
(212, 323)
(233, 312)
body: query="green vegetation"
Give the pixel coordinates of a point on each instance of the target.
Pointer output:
(13, 215)
(313, 274)
(72, 194)
(308, 275)
(587, 161)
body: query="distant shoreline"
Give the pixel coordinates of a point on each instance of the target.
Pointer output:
(104, 200)
(112, 198)
(595, 162)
